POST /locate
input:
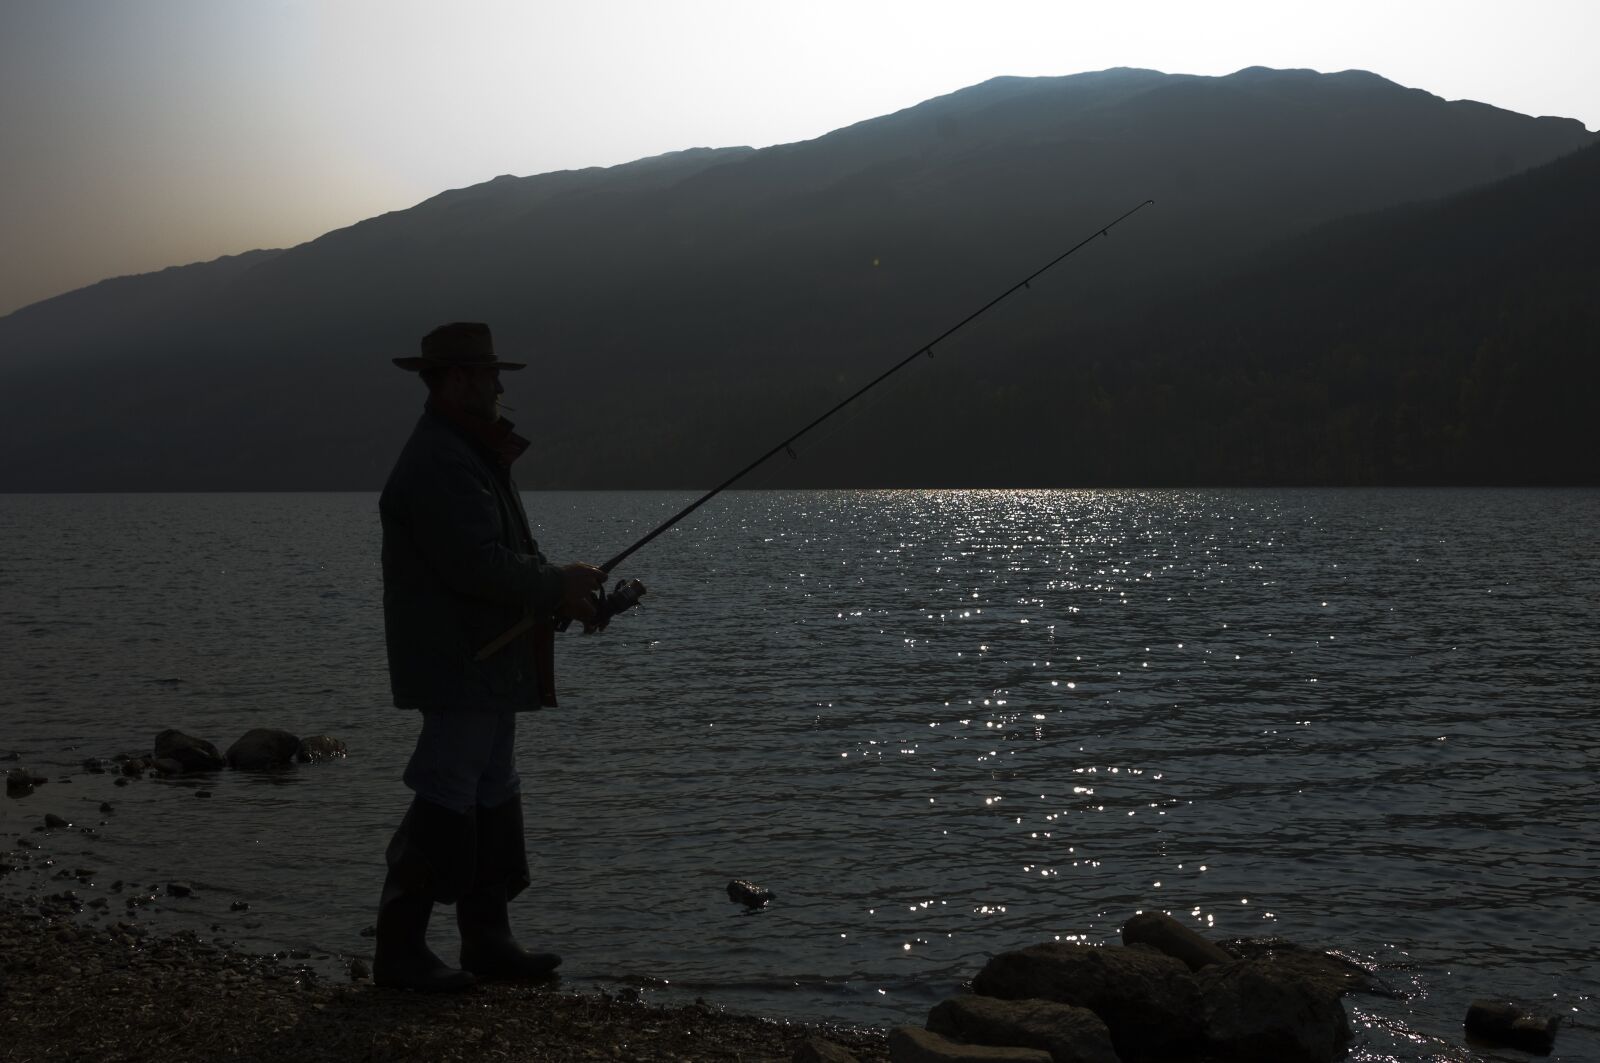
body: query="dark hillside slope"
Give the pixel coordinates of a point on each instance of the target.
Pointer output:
(682, 309)
(1450, 343)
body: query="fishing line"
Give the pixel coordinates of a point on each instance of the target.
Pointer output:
(787, 445)
(926, 350)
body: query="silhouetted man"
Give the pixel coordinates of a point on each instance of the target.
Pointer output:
(460, 566)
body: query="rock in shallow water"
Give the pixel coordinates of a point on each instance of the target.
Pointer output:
(1165, 934)
(188, 752)
(1505, 1022)
(263, 747)
(1313, 965)
(20, 782)
(748, 893)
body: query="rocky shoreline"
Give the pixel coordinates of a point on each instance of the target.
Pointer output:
(118, 992)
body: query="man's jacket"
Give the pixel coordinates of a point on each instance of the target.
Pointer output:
(459, 567)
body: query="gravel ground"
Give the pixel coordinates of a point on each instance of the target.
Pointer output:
(117, 992)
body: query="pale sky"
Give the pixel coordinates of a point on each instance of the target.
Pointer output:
(138, 134)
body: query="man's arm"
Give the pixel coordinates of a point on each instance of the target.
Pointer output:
(455, 525)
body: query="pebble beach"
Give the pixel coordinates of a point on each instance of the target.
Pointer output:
(71, 991)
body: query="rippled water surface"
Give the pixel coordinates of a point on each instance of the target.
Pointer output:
(936, 723)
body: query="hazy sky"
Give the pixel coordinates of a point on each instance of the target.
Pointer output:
(137, 134)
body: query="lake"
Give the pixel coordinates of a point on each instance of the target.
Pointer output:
(937, 724)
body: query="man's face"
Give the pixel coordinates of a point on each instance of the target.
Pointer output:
(479, 390)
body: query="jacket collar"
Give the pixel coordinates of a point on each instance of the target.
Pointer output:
(497, 438)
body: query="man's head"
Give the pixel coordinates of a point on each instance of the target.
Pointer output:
(459, 366)
(475, 391)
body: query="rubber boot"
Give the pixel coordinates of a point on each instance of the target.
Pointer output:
(430, 859)
(488, 948)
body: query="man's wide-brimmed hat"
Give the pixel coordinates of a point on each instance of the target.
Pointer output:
(460, 343)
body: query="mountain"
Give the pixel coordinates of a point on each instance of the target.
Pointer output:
(1451, 342)
(685, 310)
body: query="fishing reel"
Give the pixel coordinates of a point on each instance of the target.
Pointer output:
(624, 596)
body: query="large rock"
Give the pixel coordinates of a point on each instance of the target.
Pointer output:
(319, 748)
(1314, 965)
(1258, 1011)
(1148, 1001)
(1165, 934)
(1069, 1034)
(191, 754)
(263, 747)
(907, 1044)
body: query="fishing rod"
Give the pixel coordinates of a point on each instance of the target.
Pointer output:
(530, 621)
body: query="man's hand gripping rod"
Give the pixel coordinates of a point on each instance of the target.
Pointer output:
(620, 595)
(625, 595)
